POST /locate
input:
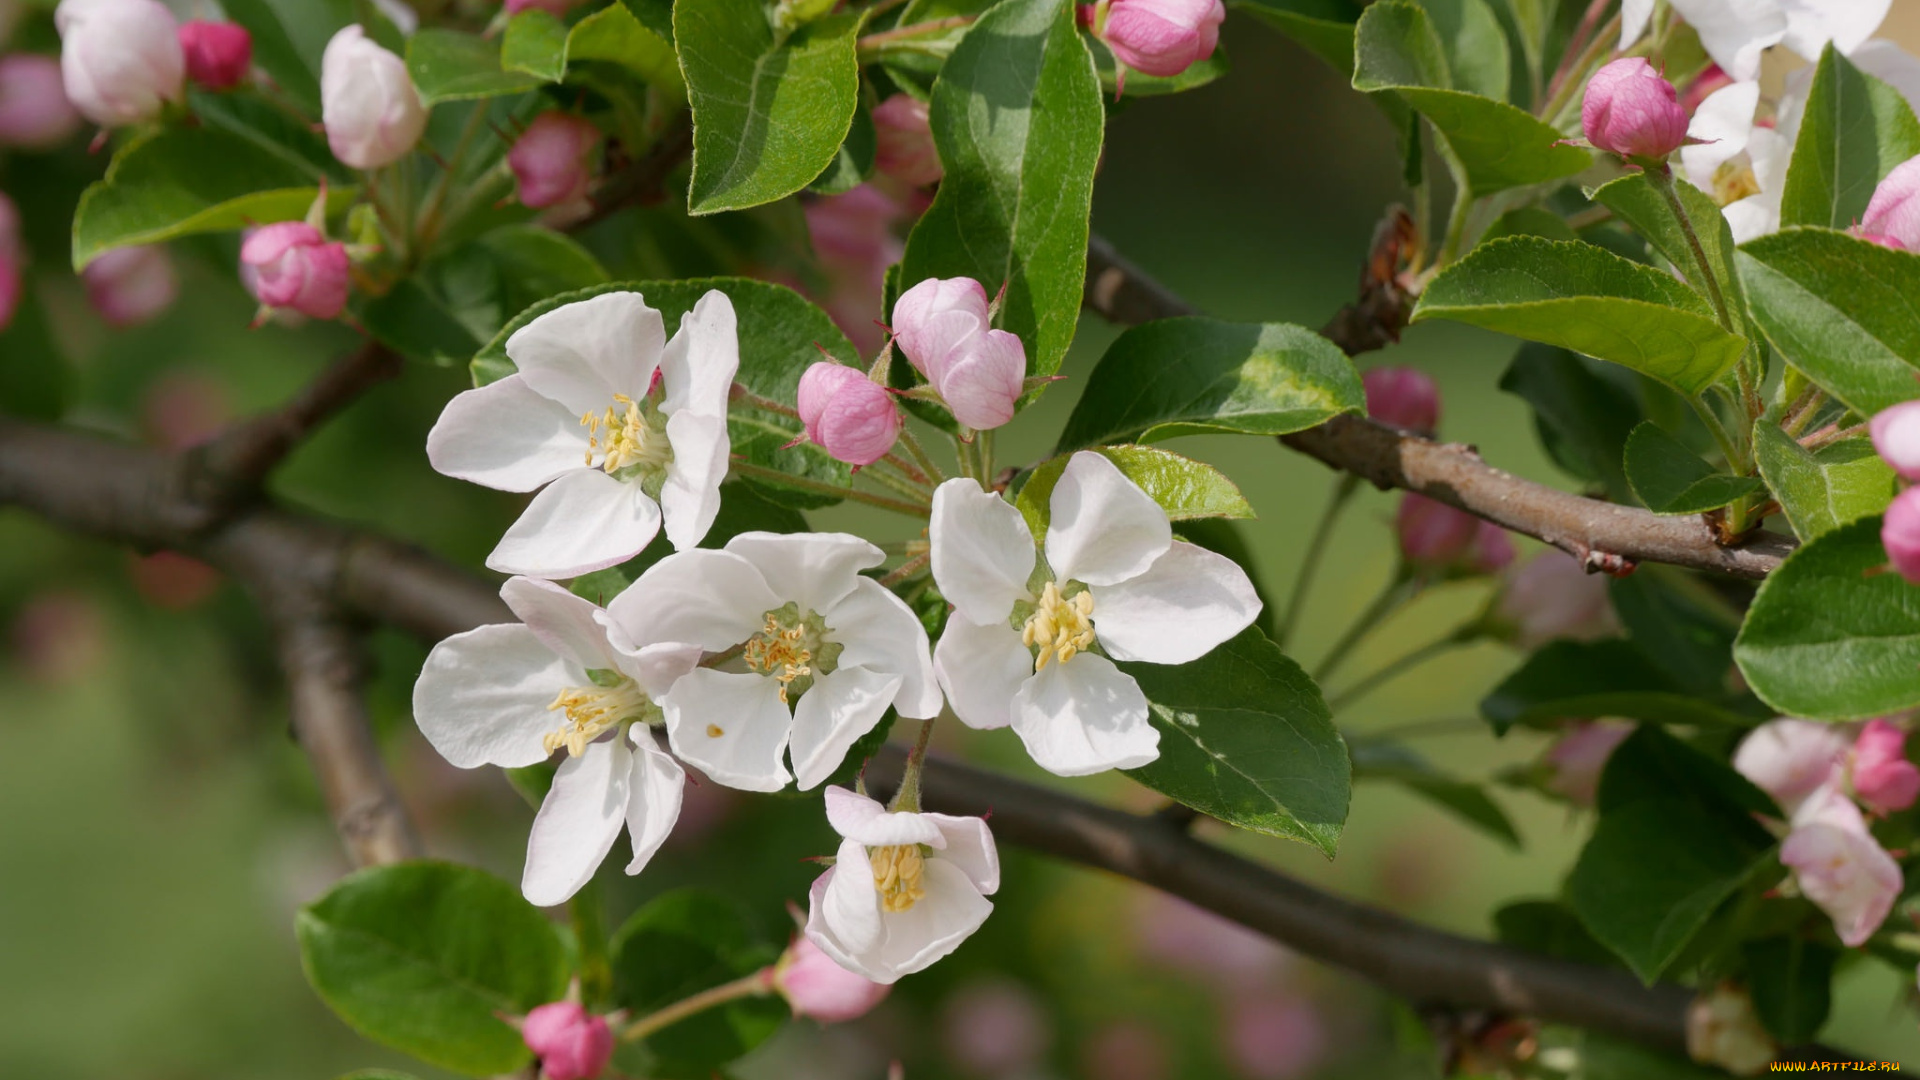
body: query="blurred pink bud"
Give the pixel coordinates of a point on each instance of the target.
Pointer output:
(1900, 534)
(58, 636)
(1163, 37)
(552, 160)
(1126, 1051)
(295, 266)
(181, 410)
(1551, 596)
(853, 237)
(120, 59)
(903, 147)
(571, 1044)
(1894, 210)
(1404, 397)
(555, 7)
(1577, 758)
(12, 258)
(372, 113)
(1840, 866)
(1703, 87)
(995, 1028)
(1791, 759)
(1433, 535)
(1883, 778)
(1492, 550)
(219, 54)
(171, 580)
(1191, 939)
(34, 111)
(1274, 1036)
(130, 285)
(1896, 436)
(846, 414)
(979, 372)
(817, 987)
(1632, 111)
(1724, 1030)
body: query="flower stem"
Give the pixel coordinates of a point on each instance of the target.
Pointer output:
(1401, 589)
(983, 442)
(897, 482)
(588, 917)
(906, 570)
(908, 469)
(872, 42)
(775, 476)
(1343, 490)
(934, 475)
(907, 799)
(747, 397)
(758, 984)
(1662, 180)
(1394, 668)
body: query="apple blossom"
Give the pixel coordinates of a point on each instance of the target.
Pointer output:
(614, 453)
(1840, 866)
(1896, 437)
(552, 159)
(131, 285)
(572, 1044)
(1704, 85)
(1405, 397)
(120, 59)
(513, 694)
(943, 325)
(1023, 654)
(905, 888)
(1894, 210)
(34, 111)
(1577, 758)
(1900, 534)
(819, 653)
(1631, 111)
(1791, 759)
(815, 985)
(847, 414)
(1162, 37)
(368, 105)
(1883, 778)
(1551, 596)
(1741, 163)
(903, 143)
(219, 54)
(292, 265)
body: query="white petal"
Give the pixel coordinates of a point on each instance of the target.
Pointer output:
(878, 631)
(832, 715)
(1723, 123)
(859, 818)
(582, 522)
(698, 366)
(981, 669)
(815, 570)
(577, 824)
(482, 697)
(690, 497)
(713, 599)
(1634, 15)
(658, 666)
(583, 353)
(731, 727)
(1187, 602)
(1735, 32)
(844, 902)
(1104, 528)
(1751, 217)
(970, 847)
(931, 929)
(982, 550)
(504, 435)
(565, 623)
(1811, 24)
(654, 803)
(1084, 716)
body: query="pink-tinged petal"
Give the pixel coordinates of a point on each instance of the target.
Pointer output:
(982, 550)
(482, 696)
(862, 819)
(1083, 717)
(582, 354)
(1894, 211)
(1189, 601)
(699, 364)
(1840, 867)
(578, 823)
(922, 322)
(1883, 778)
(981, 668)
(1150, 44)
(504, 435)
(584, 521)
(655, 787)
(814, 570)
(1104, 529)
(982, 378)
(878, 631)
(714, 599)
(731, 727)
(565, 623)
(690, 497)
(832, 715)
(1791, 759)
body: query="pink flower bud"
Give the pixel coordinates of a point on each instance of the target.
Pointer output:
(1577, 758)
(1883, 778)
(1163, 37)
(120, 59)
(1632, 111)
(1404, 397)
(219, 54)
(130, 285)
(368, 105)
(934, 315)
(853, 237)
(817, 987)
(1275, 1036)
(553, 159)
(903, 146)
(1840, 866)
(1433, 535)
(848, 415)
(571, 1044)
(34, 111)
(1491, 551)
(1896, 436)
(1551, 596)
(1900, 534)
(1894, 210)
(1791, 759)
(294, 266)
(942, 326)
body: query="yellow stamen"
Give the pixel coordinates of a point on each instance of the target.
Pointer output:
(622, 436)
(780, 652)
(1060, 628)
(1734, 180)
(591, 711)
(896, 874)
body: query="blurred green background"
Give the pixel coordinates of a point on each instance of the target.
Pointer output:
(158, 828)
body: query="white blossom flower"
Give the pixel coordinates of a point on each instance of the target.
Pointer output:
(1739, 160)
(1017, 649)
(1736, 32)
(512, 694)
(1840, 866)
(905, 889)
(612, 448)
(816, 653)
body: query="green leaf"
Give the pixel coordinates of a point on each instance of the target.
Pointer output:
(288, 39)
(1584, 298)
(854, 161)
(1323, 27)
(1671, 479)
(1822, 489)
(614, 35)
(36, 381)
(248, 114)
(1681, 626)
(1183, 487)
(421, 956)
(1854, 131)
(535, 44)
(1583, 416)
(1586, 680)
(447, 65)
(679, 944)
(1652, 765)
(1831, 637)
(1840, 309)
(778, 331)
(1377, 760)
(1193, 376)
(1791, 980)
(1550, 929)
(1474, 45)
(1246, 738)
(1398, 48)
(191, 180)
(655, 15)
(1638, 202)
(768, 114)
(417, 322)
(1017, 119)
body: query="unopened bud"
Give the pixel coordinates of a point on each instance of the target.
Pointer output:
(130, 285)
(942, 326)
(219, 54)
(368, 104)
(1163, 37)
(1883, 778)
(1632, 111)
(293, 265)
(1900, 534)
(1404, 397)
(1894, 211)
(571, 1044)
(1491, 551)
(1896, 437)
(1551, 596)
(120, 59)
(903, 147)
(34, 111)
(814, 985)
(847, 414)
(1433, 535)
(553, 159)
(1574, 762)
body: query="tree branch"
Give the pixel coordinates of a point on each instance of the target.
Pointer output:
(643, 180)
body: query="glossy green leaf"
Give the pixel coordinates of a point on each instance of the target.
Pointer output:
(271, 127)
(1791, 981)
(535, 43)
(1017, 118)
(1183, 487)
(288, 39)
(1246, 738)
(1830, 636)
(677, 945)
(418, 322)
(616, 36)
(1840, 309)
(854, 161)
(1654, 765)
(1680, 625)
(448, 65)
(1822, 489)
(1639, 203)
(768, 114)
(1582, 415)
(1474, 45)
(655, 15)
(1376, 760)
(1854, 131)
(1192, 376)
(1671, 479)
(422, 956)
(1584, 298)
(191, 180)
(1586, 680)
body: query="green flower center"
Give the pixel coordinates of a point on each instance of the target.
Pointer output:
(793, 649)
